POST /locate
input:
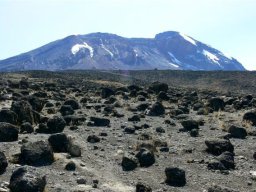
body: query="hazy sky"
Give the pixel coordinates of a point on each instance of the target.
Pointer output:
(227, 25)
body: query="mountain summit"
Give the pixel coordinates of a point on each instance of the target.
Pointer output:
(168, 50)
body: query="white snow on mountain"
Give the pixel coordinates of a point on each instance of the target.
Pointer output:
(136, 52)
(77, 47)
(189, 39)
(211, 57)
(107, 50)
(174, 59)
(177, 66)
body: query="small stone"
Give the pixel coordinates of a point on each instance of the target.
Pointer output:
(70, 166)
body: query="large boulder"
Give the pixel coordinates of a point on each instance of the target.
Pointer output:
(223, 162)
(3, 162)
(218, 146)
(157, 87)
(216, 103)
(36, 103)
(106, 92)
(175, 176)
(26, 128)
(8, 116)
(129, 162)
(146, 158)
(8, 132)
(157, 109)
(73, 103)
(37, 153)
(56, 124)
(141, 187)
(59, 142)
(97, 121)
(237, 132)
(227, 159)
(66, 110)
(251, 117)
(27, 179)
(189, 124)
(24, 111)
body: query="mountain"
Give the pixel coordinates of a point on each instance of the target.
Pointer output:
(168, 50)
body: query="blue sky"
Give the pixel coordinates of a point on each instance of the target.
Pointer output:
(227, 25)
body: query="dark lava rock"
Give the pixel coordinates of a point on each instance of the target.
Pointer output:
(40, 94)
(227, 159)
(251, 117)
(36, 103)
(163, 96)
(97, 121)
(26, 179)
(237, 132)
(157, 87)
(66, 110)
(198, 106)
(24, 111)
(3, 162)
(23, 84)
(142, 106)
(73, 103)
(134, 87)
(175, 176)
(218, 146)
(134, 118)
(217, 188)
(106, 92)
(216, 104)
(216, 165)
(70, 166)
(157, 109)
(129, 162)
(194, 133)
(129, 130)
(8, 116)
(93, 139)
(223, 162)
(26, 128)
(141, 98)
(189, 124)
(56, 124)
(37, 153)
(140, 187)
(8, 132)
(160, 130)
(146, 158)
(59, 142)
(110, 100)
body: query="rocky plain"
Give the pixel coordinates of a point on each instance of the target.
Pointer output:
(124, 131)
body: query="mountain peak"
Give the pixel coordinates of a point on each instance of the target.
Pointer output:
(168, 50)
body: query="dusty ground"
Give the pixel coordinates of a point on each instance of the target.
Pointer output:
(102, 161)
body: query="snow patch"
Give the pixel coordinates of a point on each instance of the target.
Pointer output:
(177, 66)
(174, 59)
(76, 48)
(106, 49)
(212, 57)
(136, 52)
(189, 39)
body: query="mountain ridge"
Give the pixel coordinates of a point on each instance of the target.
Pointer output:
(167, 50)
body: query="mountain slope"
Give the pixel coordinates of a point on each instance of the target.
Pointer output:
(168, 50)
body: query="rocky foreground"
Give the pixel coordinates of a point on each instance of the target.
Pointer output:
(67, 134)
